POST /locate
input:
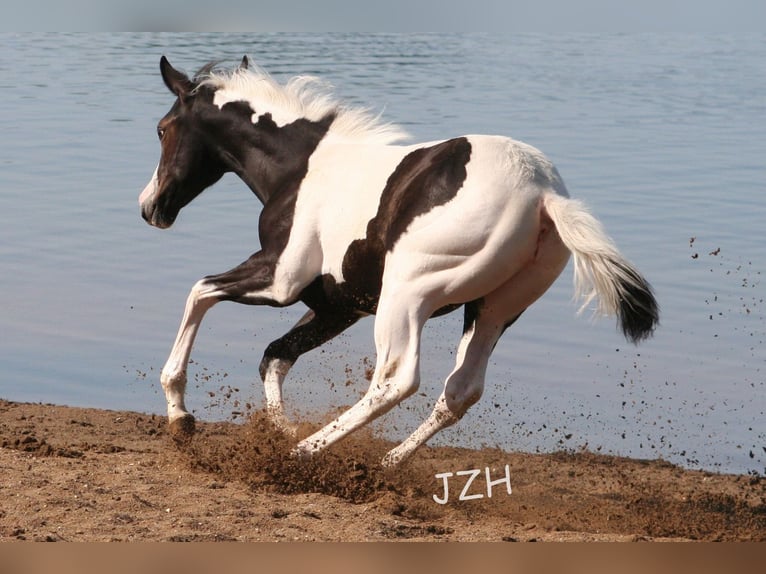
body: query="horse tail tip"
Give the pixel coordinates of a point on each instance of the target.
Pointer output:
(639, 311)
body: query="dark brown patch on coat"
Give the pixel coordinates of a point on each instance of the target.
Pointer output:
(424, 179)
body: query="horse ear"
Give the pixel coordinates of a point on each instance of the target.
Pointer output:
(177, 82)
(244, 63)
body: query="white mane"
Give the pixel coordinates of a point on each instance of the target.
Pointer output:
(301, 97)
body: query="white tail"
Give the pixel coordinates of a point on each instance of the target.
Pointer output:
(601, 272)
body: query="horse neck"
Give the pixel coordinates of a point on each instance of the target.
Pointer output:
(271, 159)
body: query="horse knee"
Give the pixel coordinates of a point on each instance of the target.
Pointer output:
(203, 294)
(273, 367)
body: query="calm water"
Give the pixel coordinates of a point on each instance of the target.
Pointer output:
(661, 135)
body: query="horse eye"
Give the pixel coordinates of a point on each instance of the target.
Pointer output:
(160, 132)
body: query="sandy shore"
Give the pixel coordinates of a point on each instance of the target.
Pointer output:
(75, 474)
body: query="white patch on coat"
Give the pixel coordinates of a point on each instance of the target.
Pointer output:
(301, 97)
(150, 189)
(335, 203)
(466, 247)
(281, 117)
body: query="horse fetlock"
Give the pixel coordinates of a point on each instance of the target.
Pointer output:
(279, 420)
(174, 386)
(395, 457)
(304, 450)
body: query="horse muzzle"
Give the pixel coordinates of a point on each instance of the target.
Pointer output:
(155, 216)
(151, 209)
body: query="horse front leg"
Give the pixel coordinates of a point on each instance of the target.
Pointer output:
(314, 329)
(173, 376)
(251, 283)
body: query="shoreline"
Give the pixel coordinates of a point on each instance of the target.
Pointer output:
(83, 474)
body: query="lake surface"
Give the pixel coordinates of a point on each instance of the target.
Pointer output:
(662, 136)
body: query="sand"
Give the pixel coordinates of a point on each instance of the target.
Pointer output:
(74, 474)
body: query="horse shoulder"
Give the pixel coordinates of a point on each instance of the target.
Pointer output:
(341, 195)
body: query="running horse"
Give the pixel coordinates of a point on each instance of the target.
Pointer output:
(356, 223)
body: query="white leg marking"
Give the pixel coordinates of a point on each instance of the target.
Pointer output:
(462, 389)
(397, 371)
(272, 385)
(173, 377)
(465, 384)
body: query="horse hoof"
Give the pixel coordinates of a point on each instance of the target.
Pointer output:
(182, 429)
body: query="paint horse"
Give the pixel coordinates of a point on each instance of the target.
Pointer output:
(355, 223)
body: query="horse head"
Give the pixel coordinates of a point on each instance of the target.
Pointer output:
(189, 162)
(245, 122)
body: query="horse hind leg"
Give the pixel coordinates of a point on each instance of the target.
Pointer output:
(311, 331)
(463, 386)
(485, 322)
(398, 325)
